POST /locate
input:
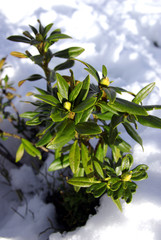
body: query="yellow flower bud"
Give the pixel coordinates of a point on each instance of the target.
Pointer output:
(105, 81)
(126, 176)
(67, 106)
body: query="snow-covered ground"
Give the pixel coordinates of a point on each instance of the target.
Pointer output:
(125, 36)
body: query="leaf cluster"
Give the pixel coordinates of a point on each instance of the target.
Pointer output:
(71, 113)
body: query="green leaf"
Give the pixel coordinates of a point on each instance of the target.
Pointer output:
(20, 152)
(101, 151)
(111, 94)
(17, 38)
(65, 133)
(152, 107)
(130, 130)
(34, 121)
(67, 64)
(88, 128)
(59, 163)
(75, 92)
(84, 91)
(104, 116)
(122, 145)
(149, 121)
(47, 29)
(97, 189)
(63, 86)
(105, 108)
(30, 149)
(89, 102)
(90, 69)
(127, 162)
(71, 52)
(57, 36)
(86, 115)
(125, 106)
(29, 115)
(74, 157)
(58, 115)
(141, 167)
(98, 168)
(46, 138)
(116, 153)
(141, 176)
(33, 29)
(104, 71)
(143, 93)
(34, 77)
(86, 161)
(118, 203)
(82, 181)
(48, 99)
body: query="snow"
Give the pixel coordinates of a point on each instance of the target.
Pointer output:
(121, 35)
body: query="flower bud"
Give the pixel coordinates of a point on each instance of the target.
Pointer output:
(105, 81)
(126, 176)
(67, 106)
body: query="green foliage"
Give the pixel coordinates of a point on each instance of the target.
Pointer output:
(70, 113)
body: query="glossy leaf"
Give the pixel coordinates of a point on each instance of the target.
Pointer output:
(57, 36)
(118, 203)
(98, 168)
(30, 149)
(71, 52)
(84, 91)
(17, 38)
(75, 92)
(106, 108)
(90, 69)
(58, 115)
(150, 121)
(67, 64)
(45, 139)
(130, 130)
(63, 86)
(104, 71)
(74, 157)
(88, 128)
(82, 181)
(20, 152)
(86, 161)
(65, 133)
(122, 105)
(143, 93)
(88, 103)
(59, 163)
(29, 115)
(111, 94)
(127, 162)
(97, 189)
(34, 77)
(48, 99)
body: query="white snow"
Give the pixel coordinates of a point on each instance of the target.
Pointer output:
(121, 35)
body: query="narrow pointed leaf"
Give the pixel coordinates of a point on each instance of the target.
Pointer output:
(59, 163)
(65, 133)
(118, 203)
(20, 152)
(88, 128)
(98, 169)
(63, 86)
(30, 149)
(74, 157)
(86, 160)
(73, 95)
(130, 130)
(48, 99)
(111, 94)
(17, 38)
(104, 71)
(122, 105)
(143, 93)
(88, 103)
(82, 181)
(69, 52)
(18, 55)
(84, 91)
(67, 64)
(150, 121)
